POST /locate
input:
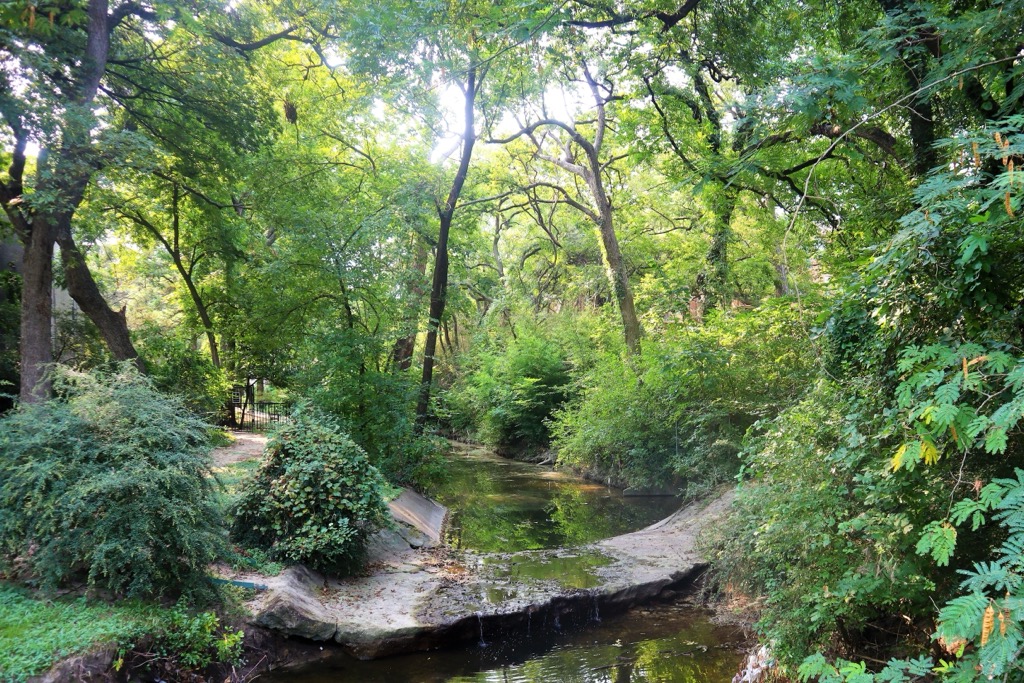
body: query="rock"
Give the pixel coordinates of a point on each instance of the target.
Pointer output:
(92, 666)
(418, 523)
(415, 538)
(294, 605)
(387, 546)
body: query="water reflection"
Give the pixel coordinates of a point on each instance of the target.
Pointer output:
(570, 570)
(663, 644)
(500, 505)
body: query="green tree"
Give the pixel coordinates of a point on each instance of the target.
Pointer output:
(94, 87)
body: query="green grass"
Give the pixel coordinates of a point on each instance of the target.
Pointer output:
(220, 437)
(231, 478)
(35, 634)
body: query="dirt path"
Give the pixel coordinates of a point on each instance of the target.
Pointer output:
(246, 447)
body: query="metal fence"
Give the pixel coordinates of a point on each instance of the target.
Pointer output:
(259, 416)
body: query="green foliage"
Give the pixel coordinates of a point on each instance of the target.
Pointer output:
(509, 391)
(373, 407)
(187, 642)
(979, 630)
(78, 342)
(35, 634)
(168, 643)
(177, 368)
(683, 409)
(109, 483)
(753, 154)
(916, 453)
(834, 548)
(315, 498)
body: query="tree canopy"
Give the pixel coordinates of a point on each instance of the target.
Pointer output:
(676, 243)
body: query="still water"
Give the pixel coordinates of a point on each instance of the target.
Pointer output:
(663, 643)
(499, 505)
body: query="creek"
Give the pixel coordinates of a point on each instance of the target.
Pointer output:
(500, 505)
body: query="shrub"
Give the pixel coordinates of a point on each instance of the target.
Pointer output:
(111, 481)
(315, 499)
(510, 391)
(372, 406)
(821, 586)
(185, 643)
(177, 368)
(682, 408)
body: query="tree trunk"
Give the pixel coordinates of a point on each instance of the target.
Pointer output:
(712, 285)
(619, 277)
(439, 285)
(204, 313)
(37, 314)
(615, 266)
(230, 365)
(67, 180)
(204, 317)
(438, 296)
(914, 61)
(186, 275)
(113, 325)
(499, 265)
(406, 346)
(781, 273)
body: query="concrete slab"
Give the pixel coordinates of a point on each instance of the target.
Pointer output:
(421, 513)
(436, 597)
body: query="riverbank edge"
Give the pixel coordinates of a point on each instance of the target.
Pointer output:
(547, 456)
(267, 648)
(415, 608)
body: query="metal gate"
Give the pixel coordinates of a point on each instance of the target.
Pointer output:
(256, 416)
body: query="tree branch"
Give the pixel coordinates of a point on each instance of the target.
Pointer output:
(285, 34)
(615, 18)
(129, 9)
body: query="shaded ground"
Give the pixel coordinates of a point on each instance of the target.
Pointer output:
(246, 447)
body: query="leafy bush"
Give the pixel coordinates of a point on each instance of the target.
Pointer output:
(315, 498)
(684, 406)
(509, 391)
(979, 630)
(833, 554)
(185, 643)
(176, 368)
(375, 408)
(110, 482)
